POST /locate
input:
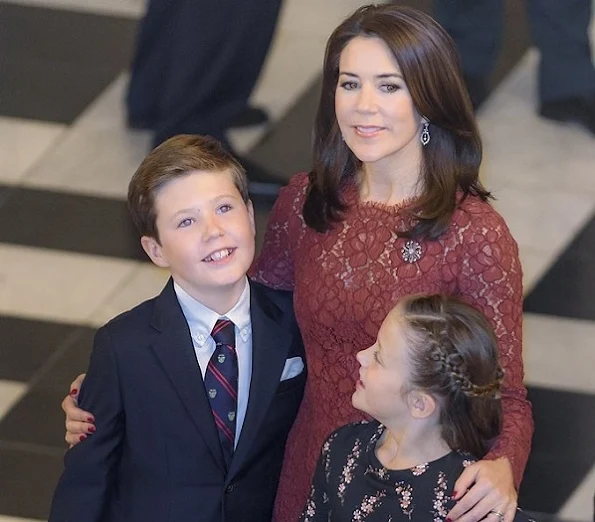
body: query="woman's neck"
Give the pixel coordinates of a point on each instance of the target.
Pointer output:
(404, 450)
(387, 184)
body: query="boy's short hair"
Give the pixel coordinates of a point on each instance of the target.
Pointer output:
(175, 158)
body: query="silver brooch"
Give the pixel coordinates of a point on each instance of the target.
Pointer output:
(411, 252)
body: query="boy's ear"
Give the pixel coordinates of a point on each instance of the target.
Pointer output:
(154, 251)
(251, 215)
(421, 404)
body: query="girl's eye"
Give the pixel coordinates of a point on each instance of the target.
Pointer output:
(185, 223)
(348, 85)
(225, 208)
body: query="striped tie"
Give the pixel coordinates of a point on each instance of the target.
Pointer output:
(221, 383)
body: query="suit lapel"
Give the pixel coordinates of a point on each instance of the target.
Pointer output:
(173, 347)
(270, 347)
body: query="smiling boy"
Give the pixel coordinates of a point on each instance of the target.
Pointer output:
(193, 392)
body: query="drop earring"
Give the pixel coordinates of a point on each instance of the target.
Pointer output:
(425, 134)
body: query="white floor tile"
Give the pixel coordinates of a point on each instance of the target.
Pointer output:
(579, 507)
(10, 393)
(97, 155)
(146, 282)
(525, 151)
(535, 263)
(4, 518)
(543, 219)
(123, 8)
(541, 173)
(24, 143)
(313, 17)
(559, 352)
(61, 286)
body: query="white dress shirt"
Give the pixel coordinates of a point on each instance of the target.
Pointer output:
(201, 321)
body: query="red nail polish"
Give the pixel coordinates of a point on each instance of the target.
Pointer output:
(82, 438)
(448, 520)
(90, 419)
(454, 494)
(91, 429)
(74, 391)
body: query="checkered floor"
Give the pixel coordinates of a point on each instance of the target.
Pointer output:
(69, 259)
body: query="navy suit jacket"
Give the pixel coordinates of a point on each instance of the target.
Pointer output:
(156, 455)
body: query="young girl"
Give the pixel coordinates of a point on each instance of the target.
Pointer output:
(432, 382)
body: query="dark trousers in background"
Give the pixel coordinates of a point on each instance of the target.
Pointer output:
(559, 29)
(196, 63)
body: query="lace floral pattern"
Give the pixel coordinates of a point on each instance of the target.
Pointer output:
(346, 280)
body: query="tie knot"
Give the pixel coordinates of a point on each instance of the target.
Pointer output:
(224, 332)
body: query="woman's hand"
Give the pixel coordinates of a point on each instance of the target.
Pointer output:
(485, 489)
(79, 423)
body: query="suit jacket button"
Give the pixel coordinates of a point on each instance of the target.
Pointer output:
(229, 488)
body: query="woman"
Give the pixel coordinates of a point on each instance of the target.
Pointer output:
(393, 206)
(432, 382)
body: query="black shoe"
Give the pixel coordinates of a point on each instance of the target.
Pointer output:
(576, 109)
(248, 117)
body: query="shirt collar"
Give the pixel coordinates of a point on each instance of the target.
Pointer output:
(201, 319)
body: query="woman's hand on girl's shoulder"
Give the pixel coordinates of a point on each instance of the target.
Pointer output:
(485, 490)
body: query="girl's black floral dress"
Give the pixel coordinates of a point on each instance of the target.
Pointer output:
(350, 484)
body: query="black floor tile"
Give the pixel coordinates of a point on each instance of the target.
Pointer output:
(55, 62)
(288, 149)
(77, 223)
(26, 345)
(36, 420)
(84, 224)
(563, 451)
(27, 481)
(567, 288)
(69, 364)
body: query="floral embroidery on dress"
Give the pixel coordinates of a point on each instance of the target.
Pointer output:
(367, 506)
(326, 447)
(405, 494)
(439, 512)
(347, 473)
(420, 469)
(310, 510)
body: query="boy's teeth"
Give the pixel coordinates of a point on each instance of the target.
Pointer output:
(216, 256)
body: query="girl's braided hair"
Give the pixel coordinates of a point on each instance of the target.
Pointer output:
(453, 355)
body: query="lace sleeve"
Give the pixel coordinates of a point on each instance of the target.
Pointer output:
(275, 264)
(491, 280)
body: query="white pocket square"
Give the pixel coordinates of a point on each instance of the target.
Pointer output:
(293, 367)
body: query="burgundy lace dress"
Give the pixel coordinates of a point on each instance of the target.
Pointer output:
(346, 280)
